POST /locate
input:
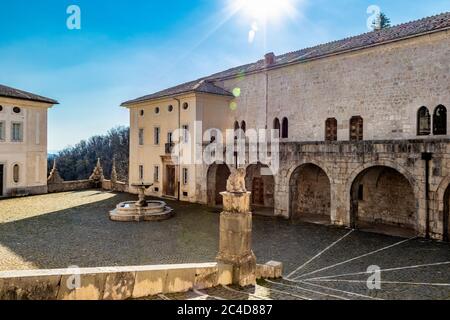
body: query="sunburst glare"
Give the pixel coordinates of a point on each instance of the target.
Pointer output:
(267, 10)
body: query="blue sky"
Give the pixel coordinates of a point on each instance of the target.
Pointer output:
(127, 49)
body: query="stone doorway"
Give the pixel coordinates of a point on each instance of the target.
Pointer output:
(310, 195)
(217, 177)
(261, 182)
(170, 181)
(382, 201)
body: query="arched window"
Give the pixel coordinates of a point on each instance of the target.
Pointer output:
(331, 129)
(243, 126)
(285, 129)
(16, 173)
(423, 122)
(277, 126)
(236, 126)
(356, 129)
(440, 121)
(236, 129)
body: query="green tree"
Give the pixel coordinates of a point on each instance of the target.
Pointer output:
(381, 22)
(77, 162)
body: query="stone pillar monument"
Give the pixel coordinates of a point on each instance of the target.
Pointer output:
(236, 231)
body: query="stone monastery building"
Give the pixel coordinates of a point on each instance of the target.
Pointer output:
(363, 126)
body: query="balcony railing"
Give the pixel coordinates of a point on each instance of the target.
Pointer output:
(169, 147)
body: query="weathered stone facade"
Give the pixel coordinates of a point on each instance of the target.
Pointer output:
(374, 173)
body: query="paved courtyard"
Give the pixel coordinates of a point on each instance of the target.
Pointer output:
(68, 229)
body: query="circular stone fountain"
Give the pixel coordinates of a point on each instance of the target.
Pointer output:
(141, 210)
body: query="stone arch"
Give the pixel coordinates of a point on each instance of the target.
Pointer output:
(217, 177)
(442, 212)
(260, 180)
(310, 194)
(383, 198)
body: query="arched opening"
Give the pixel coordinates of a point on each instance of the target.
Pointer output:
(243, 126)
(382, 201)
(440, 121)
(285, 129)
(277, 126)
(356, 128)
(423, 122)
(217, 177)
(310, 195)
(446, 217)
(16, 173)
(261, 182)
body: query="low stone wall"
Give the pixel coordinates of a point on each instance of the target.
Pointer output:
(65, 186)
(117, 186)
(77, 185)
(118, 283)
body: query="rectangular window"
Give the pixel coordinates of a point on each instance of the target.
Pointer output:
(185, 133)
(185, 176)
(17, 132)
(156, 174)
(169, 137)
(141, 137)
(156, 132)
(2, 131)
(141, 172)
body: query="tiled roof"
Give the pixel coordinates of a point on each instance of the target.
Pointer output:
(200, 85)
(426, 25)
(9, 92)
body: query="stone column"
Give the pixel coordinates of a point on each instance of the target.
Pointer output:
(236, 238)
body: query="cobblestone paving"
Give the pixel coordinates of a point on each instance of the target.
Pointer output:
(61, 230)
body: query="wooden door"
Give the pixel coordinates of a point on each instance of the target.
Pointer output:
(170, 181)
(222, 175)
(258, 191)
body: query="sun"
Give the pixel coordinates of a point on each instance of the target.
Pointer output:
(266, 10)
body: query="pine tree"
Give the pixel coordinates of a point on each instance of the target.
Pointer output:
(381, 22)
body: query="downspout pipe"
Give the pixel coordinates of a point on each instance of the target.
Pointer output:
(427, 157)
(179, 154)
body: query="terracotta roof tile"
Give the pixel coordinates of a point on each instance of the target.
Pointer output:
(9, 92)
(395, 33)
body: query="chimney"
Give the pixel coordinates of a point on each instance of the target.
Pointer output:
(269, 59)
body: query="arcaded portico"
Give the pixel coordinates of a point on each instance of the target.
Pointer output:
(375, 182)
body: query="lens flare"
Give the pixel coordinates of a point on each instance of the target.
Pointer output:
(265, 10)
